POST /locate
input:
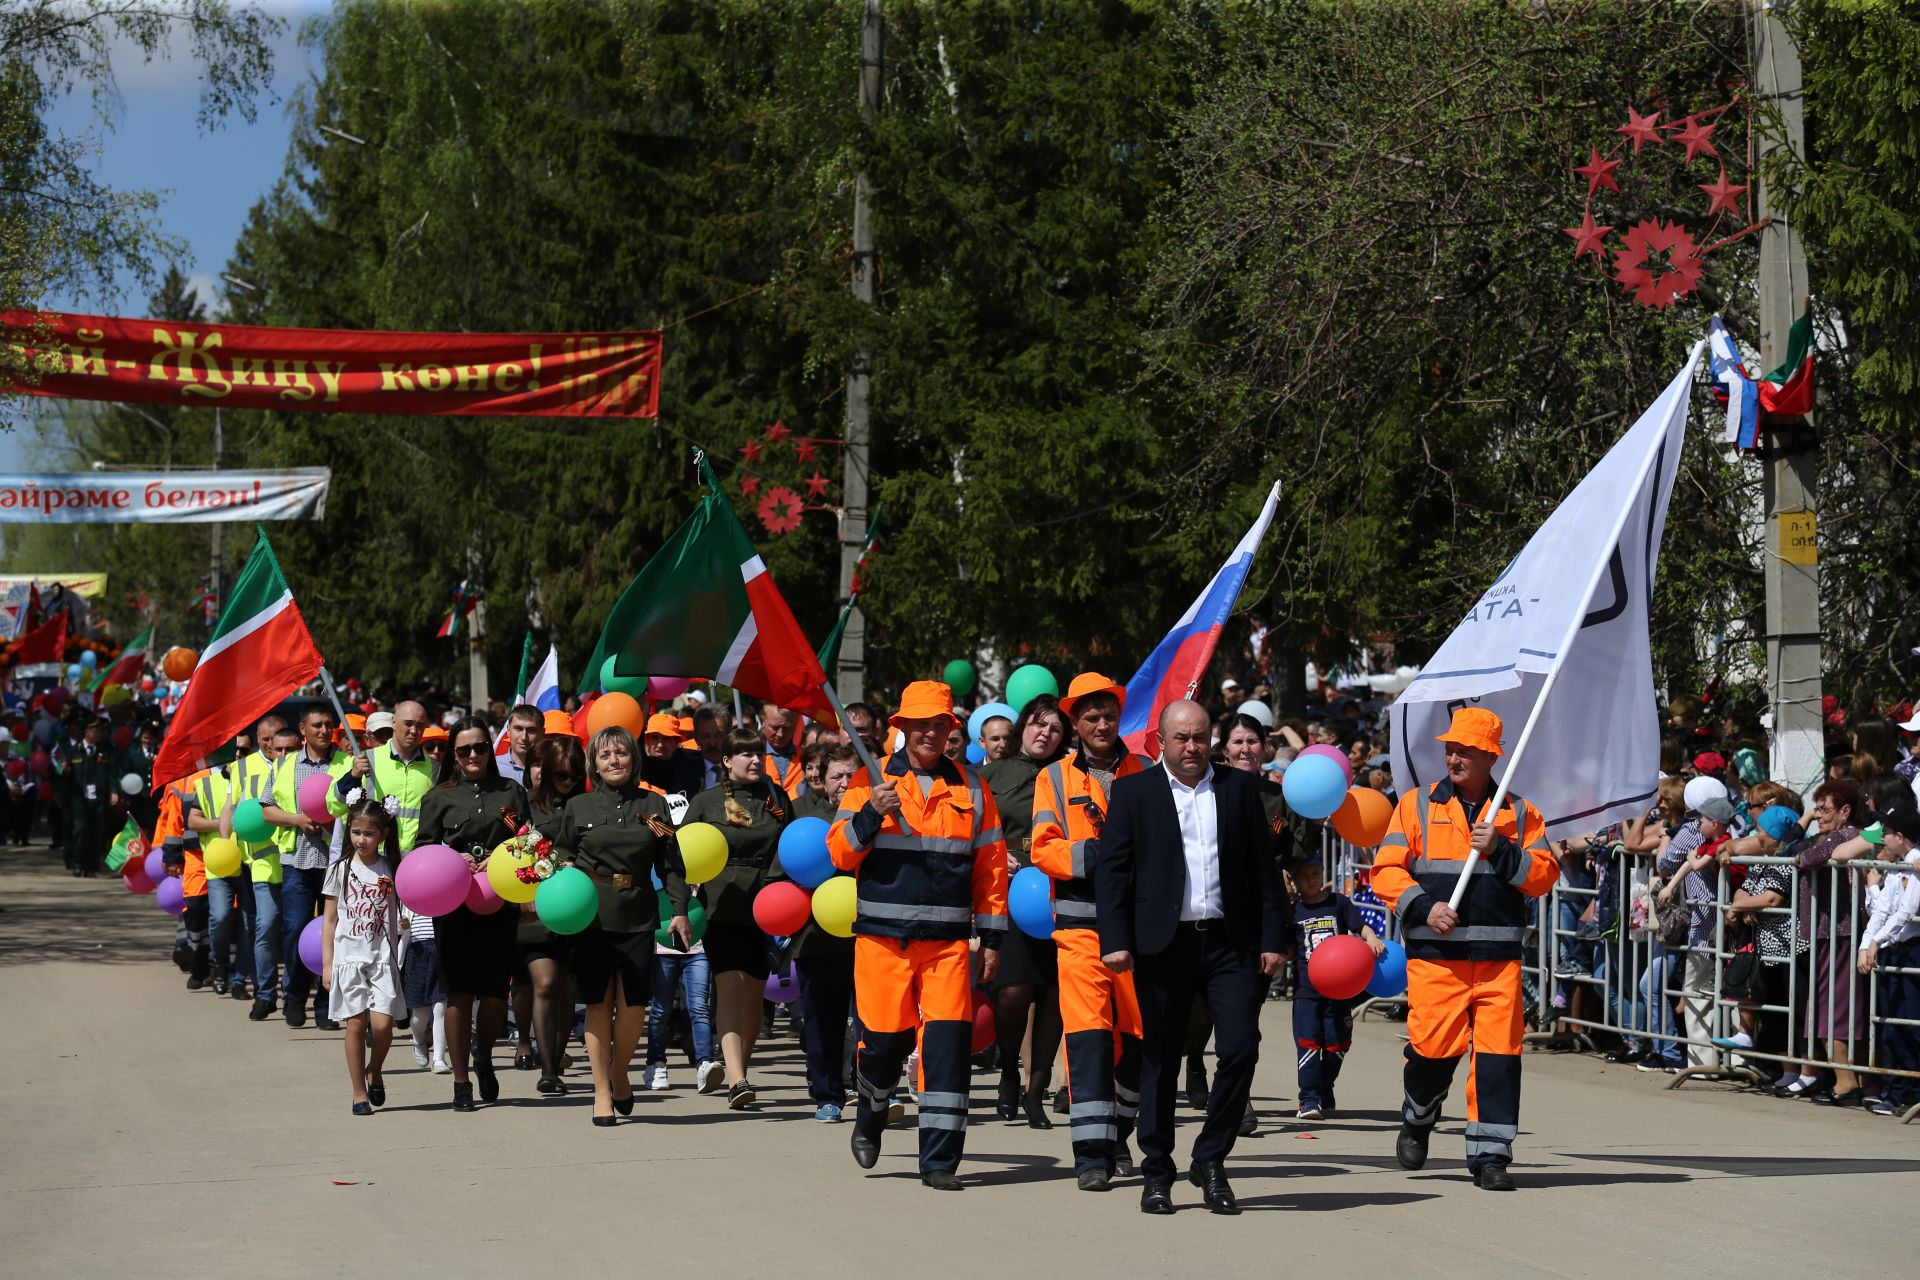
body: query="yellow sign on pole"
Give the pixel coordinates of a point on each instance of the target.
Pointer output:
(1799, 542)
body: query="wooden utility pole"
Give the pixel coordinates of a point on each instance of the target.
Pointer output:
(1790, 459)
(851, 678)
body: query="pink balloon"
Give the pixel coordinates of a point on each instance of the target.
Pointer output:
(666, 688)
(432, 880)
(481, 899)
(313, 798)
(135, 876)
(1336, 755)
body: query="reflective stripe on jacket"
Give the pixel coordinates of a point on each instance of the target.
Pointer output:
(1069, 808)
(1419, 862)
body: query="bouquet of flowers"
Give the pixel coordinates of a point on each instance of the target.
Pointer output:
(531, 853)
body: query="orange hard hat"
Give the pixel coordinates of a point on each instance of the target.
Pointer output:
(1085, 685)
(1474, 727)
(557, 722)
(925, 700)
(665, 725)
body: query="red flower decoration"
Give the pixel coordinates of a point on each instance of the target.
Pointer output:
(751, 449)
(780, 510)
(1723, 194)
(749, 486)
(1694, 134)
(1642, 129)
(777, 432)
(1588, 237)
(816, 485)
(1598, 172)
(1653, 287)
(805, 450)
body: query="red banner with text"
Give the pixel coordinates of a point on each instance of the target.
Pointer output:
(572, 375)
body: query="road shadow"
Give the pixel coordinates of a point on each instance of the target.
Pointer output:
(1759, 1166)
(1527, 1181)
(1020, 1169)
(59, 918)
(1330, 1201)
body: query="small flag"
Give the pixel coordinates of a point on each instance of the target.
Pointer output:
(464, 598)
(42, 651)
(132, 661)
(830, 651)
(131, 843)
(543, 692)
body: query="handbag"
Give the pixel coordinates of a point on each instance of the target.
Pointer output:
(1673, 916)
(1741, 983)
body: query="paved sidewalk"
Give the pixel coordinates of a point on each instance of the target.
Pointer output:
(154, 1132)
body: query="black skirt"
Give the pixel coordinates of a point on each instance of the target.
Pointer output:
(476, 953)
(1028, 961)
(598, 957)
(737, 948)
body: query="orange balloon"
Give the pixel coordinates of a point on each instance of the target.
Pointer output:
(1363, 817)
(610, 709)
(179, 663)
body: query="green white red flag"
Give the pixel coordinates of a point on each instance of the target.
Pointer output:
(132, 662)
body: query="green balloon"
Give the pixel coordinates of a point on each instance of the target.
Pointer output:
(1028, 683)
(23, 748)
(960, 677)
(250, 823)
(696, 916)
(633, 686)
(566, 901)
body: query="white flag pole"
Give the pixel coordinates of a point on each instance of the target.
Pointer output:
(1612, 543)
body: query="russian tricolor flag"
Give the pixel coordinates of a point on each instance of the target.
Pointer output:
(1177, 665)
(543, 691)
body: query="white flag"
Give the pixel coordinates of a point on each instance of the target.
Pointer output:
(1576, 598)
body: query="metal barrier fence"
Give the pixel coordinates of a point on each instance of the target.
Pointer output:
(1814, 1009)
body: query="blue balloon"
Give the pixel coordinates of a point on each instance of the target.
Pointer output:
(75, 671)
(803, 852)
(88, 658)
(978, 720)
(976, 754)
(1030, 902)
(1313, 787)
(1389, 973)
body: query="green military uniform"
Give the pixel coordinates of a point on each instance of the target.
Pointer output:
(605, 833)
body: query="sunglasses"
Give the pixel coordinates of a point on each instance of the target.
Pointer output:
(563, 777)
(471, 749)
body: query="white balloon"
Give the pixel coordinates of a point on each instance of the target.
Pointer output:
(130, 783)
(1258, 710)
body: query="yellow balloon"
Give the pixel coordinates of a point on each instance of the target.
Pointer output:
(221, 855)
(501, 868)
(833, 906)
(703, 851)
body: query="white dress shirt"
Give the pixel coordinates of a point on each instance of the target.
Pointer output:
(1891, 921)
(1200, 842)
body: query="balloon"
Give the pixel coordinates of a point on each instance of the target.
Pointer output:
(703, 851)
(976, 754)
(611, 710)
(250, 822)
(1334, 754)
(312, 949)
(696, 920)
(783, 988)
(666, 688)
(130, 784)
(112, 696)
(123, 735)
(57, 697)
(1363, 817)
(89, 659)
(1340, 967)
(977, 722)
(135, 877)
(179, 662)
(1389, 973)
(481, 899)
(41, 764)
(803, 852)
(155, 866)
(22, 750)
(16, 769)
(632, 686)
(221, 855)
(146, 684)
(75, 671)
(45, 792)
(432, 880)
(834, 906)
(984, 1030)
(503, 872)
(960, 677)
(171, 896)
(567, 900)
(1029, 682)
(1313, 787)
(1258, 710)
(313, 798)
(781, 908)
(1030, 902)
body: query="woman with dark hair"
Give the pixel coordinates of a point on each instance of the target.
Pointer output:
(618, 834)
(1829, 904)
(751, 812)
(473, 809)
(545, 1013)
(1028, 983)
(1876, 738)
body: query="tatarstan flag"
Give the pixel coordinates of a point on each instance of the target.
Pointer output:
(1788, 390)
(260, 652)
(706, 607)
(132, 661)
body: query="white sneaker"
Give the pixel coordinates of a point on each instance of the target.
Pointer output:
(441, 1067)
(420, 1055)
(710, 1077)
(656, 1078)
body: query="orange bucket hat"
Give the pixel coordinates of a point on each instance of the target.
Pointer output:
(1474, 727)
(925, 700)
(666, 726)
(1085, 685)
(434, 733)
(557, 722)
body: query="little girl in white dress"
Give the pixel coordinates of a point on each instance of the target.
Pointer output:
(361, 967)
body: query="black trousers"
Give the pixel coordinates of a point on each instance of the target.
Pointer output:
(1228, 978)
(826, 996)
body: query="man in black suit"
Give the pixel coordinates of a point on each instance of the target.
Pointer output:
(1188, 899)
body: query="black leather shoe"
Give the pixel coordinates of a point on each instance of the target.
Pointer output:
(261, 1011)
(463, 1097)
(296, 1017)
(1095, 1180)
(377, 1092)
(866, 1150)
(942, 1181)
(325, 1024)
(1122, 1166)
(1411, 1149)
(1009, 1104)
(1037, 1111)
(194, 981)
(1493, 1177)
(363, 1108)
(549, 1084)
(219, 986)
(238, 991)
(490, 1086)
(605, 1122)
(1211, 1177)
(1197, 1088)
(1851, 1098)
(1157, 1196)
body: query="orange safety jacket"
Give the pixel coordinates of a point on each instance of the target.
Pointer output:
(935, 871)
(1069, 808)
(1419, 863)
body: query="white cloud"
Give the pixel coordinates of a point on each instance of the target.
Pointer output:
(210, 293)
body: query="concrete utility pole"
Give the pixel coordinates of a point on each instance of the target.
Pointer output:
(1790, 460)
(851, 678)
(213, 581)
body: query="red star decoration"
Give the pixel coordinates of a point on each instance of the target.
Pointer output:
(1695, 135)
(816, 485)
(749, 486)
(751, 450)
(777, 432)
(1642, 129)
(805, 450)
(1724, 195)
(1598, 172)
(1588, 237)
(1651, 287)
(780, 510)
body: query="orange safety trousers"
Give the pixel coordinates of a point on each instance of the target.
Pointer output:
(1454, 1006)
(1100, 1014)
(900, 985)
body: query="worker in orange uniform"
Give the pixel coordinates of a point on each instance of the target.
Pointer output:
(925, 846)
(1069, 808)
(180, 854)
(1463, 967)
